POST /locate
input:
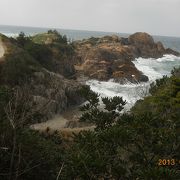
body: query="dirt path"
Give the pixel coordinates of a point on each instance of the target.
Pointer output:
(67, 122)
(56, 123)
(2, 51)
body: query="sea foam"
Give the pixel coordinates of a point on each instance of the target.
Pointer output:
(153, 68)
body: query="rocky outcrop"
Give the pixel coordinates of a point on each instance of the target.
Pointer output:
(143, 45)
(171, 51)
(108, 59)
(112, 56)
(55, 92)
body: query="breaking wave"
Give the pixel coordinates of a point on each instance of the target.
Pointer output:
(153, 68)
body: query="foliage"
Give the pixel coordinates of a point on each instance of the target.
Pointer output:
(59, 38)
(35, 156)
(122, 146)
(51, 50)
(93, 41)
(164, 100)
(24, 154)
(22, 39)
(157, 84)
(18, 68)
(101, 118)
(41, 53)
(134, 143)
(55, 40)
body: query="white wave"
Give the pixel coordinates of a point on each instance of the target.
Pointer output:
(10, 34)
(153, 68)
(157, 68)
(147, 66)
(168, 57)
(130, 92)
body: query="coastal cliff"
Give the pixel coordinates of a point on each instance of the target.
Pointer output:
(39, 79)
(111, 57)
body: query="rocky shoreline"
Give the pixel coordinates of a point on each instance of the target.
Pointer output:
(111, 57)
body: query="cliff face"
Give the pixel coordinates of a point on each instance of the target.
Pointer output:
(54, 91)
(111, 56)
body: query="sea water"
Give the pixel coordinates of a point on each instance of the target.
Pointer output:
(153, 68)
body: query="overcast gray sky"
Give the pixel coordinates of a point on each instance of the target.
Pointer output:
(158, 17)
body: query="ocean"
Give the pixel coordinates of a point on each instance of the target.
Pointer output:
(153, 68)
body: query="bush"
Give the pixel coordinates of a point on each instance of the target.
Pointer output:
(54, 56)
(101, 118)
(24, 153)
(18, 69)
(133, 145)
(41, 53)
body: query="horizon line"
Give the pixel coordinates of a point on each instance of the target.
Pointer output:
(100, 31)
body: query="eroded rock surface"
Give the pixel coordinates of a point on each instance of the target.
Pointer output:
(55, 91)
(112, 56)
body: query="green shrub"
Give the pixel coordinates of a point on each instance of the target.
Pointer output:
(18, 68)
(24, 153)
(133, 144)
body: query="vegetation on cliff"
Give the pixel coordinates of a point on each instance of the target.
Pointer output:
(24, 154)
(122, 146)
(50, 49)
(131, 146)
(32, 88)
(45, 70)
(125, 146)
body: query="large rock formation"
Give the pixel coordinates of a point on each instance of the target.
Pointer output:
(55, 92)
(112, 56)
(143, 45)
